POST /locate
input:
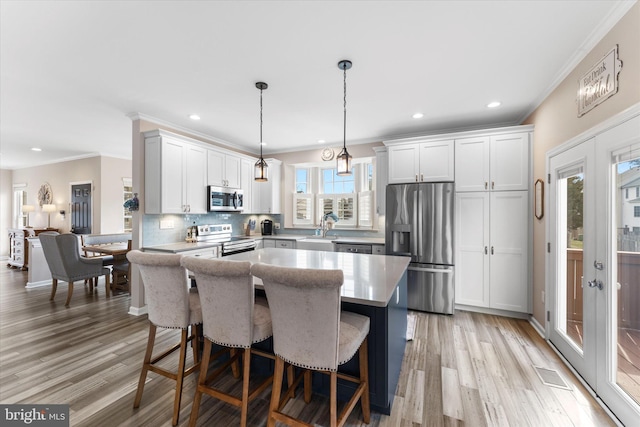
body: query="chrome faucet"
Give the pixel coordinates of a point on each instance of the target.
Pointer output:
(323, 222)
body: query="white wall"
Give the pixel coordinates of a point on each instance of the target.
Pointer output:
(556, 120)
(6, 197)
(104, 173)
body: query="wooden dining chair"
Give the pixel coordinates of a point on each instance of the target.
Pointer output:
(311, 332)
(171, 304)
(121, 272)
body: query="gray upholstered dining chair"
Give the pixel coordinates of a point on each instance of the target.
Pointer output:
(170, 304)
(312, 332)
(234, 318)
(65, 263)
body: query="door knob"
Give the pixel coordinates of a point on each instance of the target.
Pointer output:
(596, 284)
(598, 265)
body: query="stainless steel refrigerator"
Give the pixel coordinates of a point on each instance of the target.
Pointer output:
(419, 224)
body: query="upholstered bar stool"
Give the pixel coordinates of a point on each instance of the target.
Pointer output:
(312, 332)
(232, 317)
(171, 304)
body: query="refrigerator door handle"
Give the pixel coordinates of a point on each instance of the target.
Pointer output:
(432, 270)
(420, 215)
(415, 235)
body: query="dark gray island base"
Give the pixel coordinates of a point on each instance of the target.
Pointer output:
(375, 286)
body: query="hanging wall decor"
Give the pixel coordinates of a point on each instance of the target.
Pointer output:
(45, 195)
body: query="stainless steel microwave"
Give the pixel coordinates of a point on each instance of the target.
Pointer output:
(224, 199)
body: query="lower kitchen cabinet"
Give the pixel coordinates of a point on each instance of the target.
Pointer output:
(278, 243)
(492, 250)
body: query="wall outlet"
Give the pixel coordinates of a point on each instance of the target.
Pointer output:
(166, 224)
(277, 225)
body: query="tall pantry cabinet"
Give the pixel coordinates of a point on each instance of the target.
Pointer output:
(492, 226)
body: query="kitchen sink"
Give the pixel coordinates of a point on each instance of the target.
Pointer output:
(316, 243)
(321, 238)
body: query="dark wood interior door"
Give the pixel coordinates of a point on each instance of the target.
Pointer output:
(81, 209)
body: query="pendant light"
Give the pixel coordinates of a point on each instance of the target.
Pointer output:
(261, 167)
(344, 158)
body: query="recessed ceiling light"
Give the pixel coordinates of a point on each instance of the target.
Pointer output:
(418, 116)
(493, 104)
(36, 149)
(194, 117)
(321, 141)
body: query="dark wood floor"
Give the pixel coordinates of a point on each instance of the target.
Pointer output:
(467, 369)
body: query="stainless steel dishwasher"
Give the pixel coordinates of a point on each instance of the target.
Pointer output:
(354, 248)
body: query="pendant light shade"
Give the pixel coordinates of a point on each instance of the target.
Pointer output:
(344, 158)
(261, 169)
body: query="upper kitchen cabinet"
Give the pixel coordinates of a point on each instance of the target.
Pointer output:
(266, 195)
(223, 170)
(246, 184)
(175, 174)
(382, 178)
(421, 161)
(493, 162)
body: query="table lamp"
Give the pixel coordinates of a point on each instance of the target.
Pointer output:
(48, 209)
(27, 209)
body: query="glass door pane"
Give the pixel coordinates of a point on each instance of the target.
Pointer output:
(627, 275)
(571, 193)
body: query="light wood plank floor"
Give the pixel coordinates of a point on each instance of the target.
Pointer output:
(467, 369)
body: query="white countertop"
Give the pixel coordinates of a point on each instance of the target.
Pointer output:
(180, 247)
(368, 279)
(334, 239)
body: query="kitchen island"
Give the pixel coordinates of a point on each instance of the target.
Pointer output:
(375, 286)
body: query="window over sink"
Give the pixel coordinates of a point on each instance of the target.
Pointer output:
(319, 191)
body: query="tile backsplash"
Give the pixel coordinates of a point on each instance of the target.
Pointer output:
(153, 235)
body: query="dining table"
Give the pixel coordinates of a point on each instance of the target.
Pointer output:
(115, 249)
(118, 251)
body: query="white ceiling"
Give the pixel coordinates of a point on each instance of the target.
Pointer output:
(71, 71)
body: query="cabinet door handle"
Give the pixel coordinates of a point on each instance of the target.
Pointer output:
(493, 184)
(486, 185)
(416, 177)
(486, 250)
(421, 177)
(491, 250)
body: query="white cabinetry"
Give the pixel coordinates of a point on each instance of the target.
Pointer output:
(278, 243)
(493, 213)
(223, 170)
(266, 195)
(492, 162)
(421, 162)
(175, 175)
(382, 178)
(246, 184)
(492, 250)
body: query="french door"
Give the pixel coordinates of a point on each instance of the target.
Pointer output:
(594, 263)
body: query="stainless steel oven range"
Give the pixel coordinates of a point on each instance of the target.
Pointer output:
(222, 233)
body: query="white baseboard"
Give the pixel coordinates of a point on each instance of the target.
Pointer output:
(538, 327)
(494, 311)
(41, 283)
(138, 311)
